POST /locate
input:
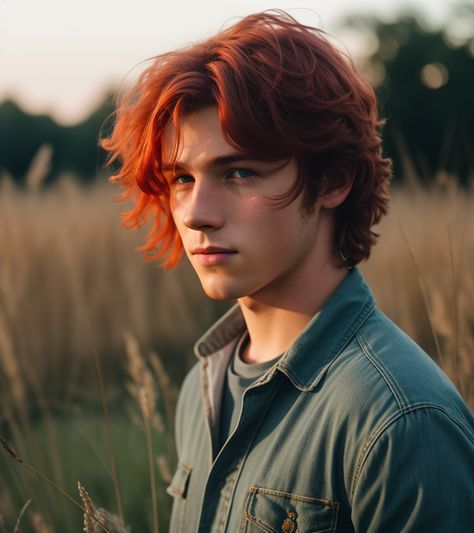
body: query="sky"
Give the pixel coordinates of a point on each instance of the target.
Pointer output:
(60, 56)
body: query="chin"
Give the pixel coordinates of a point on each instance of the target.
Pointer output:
(222, 292)
(222, 296)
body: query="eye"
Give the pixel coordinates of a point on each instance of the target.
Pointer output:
(184, 178)
(241, 173)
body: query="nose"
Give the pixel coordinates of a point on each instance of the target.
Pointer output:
(203, 210)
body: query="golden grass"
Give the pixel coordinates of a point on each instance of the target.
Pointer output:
(421, 274)
(98, 520)
(68, 272)
(143, 390)
(71, 284)
(148, 379)
(16, 529)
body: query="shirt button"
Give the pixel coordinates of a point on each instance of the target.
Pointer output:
(289, 524)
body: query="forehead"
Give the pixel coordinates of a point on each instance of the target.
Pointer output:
(197, 137)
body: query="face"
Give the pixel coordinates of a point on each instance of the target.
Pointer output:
(239, 242)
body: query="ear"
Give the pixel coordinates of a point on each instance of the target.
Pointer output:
(336, 196)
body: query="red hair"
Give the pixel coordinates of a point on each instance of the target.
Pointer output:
(282, 90)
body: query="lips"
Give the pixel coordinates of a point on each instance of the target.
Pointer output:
(213, 255)
(212, 250)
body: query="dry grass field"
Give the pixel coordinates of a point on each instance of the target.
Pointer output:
(72, 288)
(422, 274)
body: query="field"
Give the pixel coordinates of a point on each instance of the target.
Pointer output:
(75, 297)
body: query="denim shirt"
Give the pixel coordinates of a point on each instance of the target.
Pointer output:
(354, 429)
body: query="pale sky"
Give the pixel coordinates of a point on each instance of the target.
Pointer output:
(58, 56)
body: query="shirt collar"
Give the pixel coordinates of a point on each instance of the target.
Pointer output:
(321, 341)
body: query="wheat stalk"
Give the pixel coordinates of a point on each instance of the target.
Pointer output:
(105, 409)
(424, 294)
(89, 510)
(10, 365)
(16, 457)
(97, 519)
(16, 529)
(144, 391)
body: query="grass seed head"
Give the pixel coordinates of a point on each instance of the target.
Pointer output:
(89, 510)
(10, 451)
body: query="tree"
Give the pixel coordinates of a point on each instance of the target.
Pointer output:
(75, 148)
(424, 78)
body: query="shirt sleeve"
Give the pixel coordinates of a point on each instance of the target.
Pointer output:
(417, 476)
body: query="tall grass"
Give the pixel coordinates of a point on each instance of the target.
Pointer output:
(70, 281)
(422, 274)
(69, 272)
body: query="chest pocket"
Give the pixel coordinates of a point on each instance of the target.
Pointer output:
(273, 511)
(178, 488)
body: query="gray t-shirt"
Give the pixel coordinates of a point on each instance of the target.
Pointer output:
(239, 376)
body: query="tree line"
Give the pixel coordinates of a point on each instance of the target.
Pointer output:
(424, 79)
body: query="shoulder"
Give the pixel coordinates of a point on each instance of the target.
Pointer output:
(382, 378)
(410, 374)
(381, 363)
(419, 433)
(414, 469)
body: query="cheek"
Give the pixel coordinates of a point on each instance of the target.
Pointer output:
(176, 211)
(266, 221)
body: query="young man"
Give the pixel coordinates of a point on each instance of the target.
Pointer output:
(257, 153)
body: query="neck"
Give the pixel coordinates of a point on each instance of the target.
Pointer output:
(276, 317)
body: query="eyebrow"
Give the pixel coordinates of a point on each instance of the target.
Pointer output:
(219, 161)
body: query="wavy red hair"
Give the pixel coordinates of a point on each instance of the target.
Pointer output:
(282, 90)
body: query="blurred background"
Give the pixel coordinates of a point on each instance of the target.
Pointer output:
(85, 321)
